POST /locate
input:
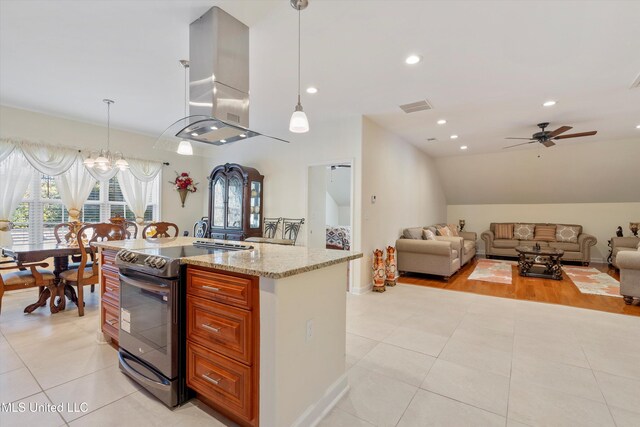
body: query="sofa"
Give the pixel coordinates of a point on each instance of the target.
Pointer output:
(629, 264)
(442, 256)
(568, 237)
(619, 244)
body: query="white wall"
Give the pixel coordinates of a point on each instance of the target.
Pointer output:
(41, 128)
(332, 211)
(407, 189)
(598, 219)
(344, 215)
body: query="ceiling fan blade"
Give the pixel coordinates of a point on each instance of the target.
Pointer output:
(530, 139)
(561, 129)
(548, 143)
(522, 143)
(577, 135)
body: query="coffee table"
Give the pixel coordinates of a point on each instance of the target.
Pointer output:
(544, 262)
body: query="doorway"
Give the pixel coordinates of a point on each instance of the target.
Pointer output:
(330, 206)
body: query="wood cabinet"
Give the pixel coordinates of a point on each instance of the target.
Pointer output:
(109, 294)
(235, 202)
(223, 340)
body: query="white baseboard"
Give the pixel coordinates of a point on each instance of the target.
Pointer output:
(312, 416)
(360, 291)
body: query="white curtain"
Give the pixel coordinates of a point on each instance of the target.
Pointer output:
(144, 170)
(48, 159)
(136, 193)
(6, 148)
(75, 186)
(101, 175)
(14, 180)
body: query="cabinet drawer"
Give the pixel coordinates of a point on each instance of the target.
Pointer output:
(225, 288)
(108, 258)
(221, 328)
(110, 286)
(235, 237)
(110, 320)
(221, 380)
(217, 236)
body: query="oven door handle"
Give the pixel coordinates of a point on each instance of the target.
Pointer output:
(143, 284)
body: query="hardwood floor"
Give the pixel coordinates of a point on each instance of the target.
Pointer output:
(528, 288)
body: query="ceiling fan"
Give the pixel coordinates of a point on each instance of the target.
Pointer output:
(547, 138)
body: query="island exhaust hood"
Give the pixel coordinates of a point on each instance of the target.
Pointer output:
(218, 84)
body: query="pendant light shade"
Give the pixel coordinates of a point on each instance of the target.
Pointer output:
(299, 122)
(185, 148)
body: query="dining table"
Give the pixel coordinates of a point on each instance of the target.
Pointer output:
(60, 252)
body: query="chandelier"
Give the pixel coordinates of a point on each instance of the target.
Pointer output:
(105, 159)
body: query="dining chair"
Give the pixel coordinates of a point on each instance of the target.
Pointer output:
(67, 233)
(130, 226)
(87, 274)
(159, 229)
(28, 276)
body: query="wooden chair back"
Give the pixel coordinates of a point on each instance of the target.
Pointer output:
(67, 232)
(100, 232)
(162, 229)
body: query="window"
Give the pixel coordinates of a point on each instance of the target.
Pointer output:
(40, 211)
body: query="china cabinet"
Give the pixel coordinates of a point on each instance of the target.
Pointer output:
(235, 202)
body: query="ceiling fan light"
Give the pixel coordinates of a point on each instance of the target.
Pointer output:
(299, 122)
(185, 148)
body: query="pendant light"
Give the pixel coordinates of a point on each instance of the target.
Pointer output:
(184, 147)
(106, 160)
(299, 122)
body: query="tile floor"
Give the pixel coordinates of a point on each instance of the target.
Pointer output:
(416, 356)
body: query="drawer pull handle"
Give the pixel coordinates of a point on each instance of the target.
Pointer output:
(211, 288)
(211, 380)
(211, 328)
(112, 321)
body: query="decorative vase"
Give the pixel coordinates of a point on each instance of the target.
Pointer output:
(183, 195)
(378, 271)
(390, 267)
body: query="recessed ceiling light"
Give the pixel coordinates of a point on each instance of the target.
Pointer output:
(223, 140)
(441, 121)
(214, 128)
(413, 59)
(463, 147)
(194, 134)
(242, 135)
(454, 137)
(312, 90)
(638, 127)
(549, 104)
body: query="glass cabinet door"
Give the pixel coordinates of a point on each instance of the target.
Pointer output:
(218, 202)
(234, 203)
(256, 197)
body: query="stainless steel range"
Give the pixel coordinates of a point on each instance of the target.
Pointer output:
(152, 316)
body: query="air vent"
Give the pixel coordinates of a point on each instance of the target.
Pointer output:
(432, 139)
(416, 106)
(636, 83)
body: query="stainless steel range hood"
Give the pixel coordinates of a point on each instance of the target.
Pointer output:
(218, 84)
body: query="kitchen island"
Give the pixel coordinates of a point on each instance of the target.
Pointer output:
(280, 360)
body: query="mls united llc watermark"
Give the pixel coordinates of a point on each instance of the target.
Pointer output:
(22, 407)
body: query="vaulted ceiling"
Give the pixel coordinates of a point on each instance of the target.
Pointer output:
(487, 65)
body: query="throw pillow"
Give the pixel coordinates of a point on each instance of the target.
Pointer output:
(567, 233)
(546, 233)
(503, 231)
(523, 231)
(412, 233)
(454, 229)
(428, 235)
(444, 231)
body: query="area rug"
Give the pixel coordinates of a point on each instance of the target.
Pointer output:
(488, 270)
(593, 281)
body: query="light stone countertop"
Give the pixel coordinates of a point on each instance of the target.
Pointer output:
(266, 260)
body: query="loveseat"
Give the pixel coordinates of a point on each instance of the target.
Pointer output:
(629, 264)
(441, 256)
(577, 245)
(619, 244)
